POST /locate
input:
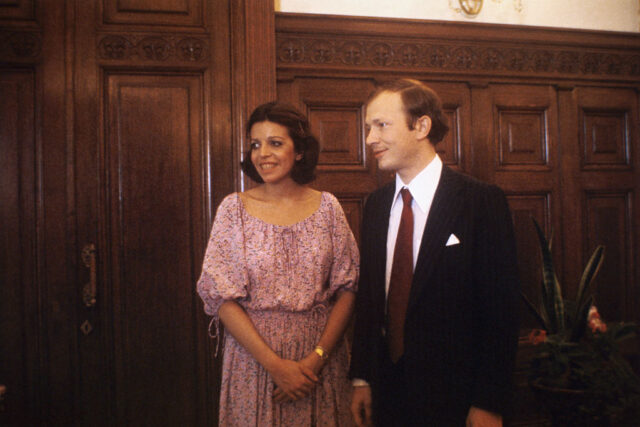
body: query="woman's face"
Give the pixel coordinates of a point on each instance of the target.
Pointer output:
(272, 151)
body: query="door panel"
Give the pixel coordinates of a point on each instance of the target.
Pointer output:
(154, 217)
(19, 293)
(604, 163)
(158, 12)
(144, 185)
(455, 148)
(515, 147)
(118, 124)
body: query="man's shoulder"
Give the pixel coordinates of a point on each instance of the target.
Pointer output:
(385, 189)
(382, 193)
(467, 182)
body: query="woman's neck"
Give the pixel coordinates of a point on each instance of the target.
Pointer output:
(284, 190)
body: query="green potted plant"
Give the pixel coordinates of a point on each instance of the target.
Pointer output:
(577, 370)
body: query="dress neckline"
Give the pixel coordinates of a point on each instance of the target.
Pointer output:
(297, 223)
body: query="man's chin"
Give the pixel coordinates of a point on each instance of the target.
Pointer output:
(384, 166)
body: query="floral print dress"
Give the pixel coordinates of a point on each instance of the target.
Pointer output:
(287, 279)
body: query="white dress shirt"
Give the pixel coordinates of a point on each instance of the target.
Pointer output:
(422, 189)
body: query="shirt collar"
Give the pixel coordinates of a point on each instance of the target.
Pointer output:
(422, 186)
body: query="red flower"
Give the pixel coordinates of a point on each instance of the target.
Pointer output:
(536, 336)
(595, 323)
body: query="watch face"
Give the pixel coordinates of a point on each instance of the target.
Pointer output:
(321, 352)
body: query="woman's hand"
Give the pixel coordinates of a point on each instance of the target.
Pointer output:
(294, 380)
(314, 362)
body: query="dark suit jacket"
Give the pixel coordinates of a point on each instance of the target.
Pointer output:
(461, 326)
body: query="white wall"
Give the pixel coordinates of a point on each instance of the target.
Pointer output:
(612, 15)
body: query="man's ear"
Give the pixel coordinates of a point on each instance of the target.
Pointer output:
(423, 127)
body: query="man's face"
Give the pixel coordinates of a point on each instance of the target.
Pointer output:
(396, 147)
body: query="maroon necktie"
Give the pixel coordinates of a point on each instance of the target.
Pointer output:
(400, 282)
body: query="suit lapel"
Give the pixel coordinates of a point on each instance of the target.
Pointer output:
(447, 202)
(380, 240)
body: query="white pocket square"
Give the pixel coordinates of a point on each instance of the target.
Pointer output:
(453, 240)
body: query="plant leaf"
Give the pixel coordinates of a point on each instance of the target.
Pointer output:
(625, 331)
(535, 313)
(580, 321)
(588, 276)
(553, 304)
(543, 307)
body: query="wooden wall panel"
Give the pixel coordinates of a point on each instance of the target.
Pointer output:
(608, 125)
(34, 367)
(606, 186)
(335, 110)
(525, 128)
(17, 10)
(524, 207)
(20, 45)
(133, 112)
(604, 138)
(20, 295)
(522, 137)
(550, 116)
(155, 173)
(608, 221)
(334, 44)
(338, 127)
(455, 148)
(185, 13)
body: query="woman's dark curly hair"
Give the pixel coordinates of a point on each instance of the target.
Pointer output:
(304, 142)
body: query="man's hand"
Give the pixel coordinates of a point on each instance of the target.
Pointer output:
(480, 418)
(361, 405)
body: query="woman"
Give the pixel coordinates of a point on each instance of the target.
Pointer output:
(280, 272)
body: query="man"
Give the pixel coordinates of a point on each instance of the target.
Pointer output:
(436, 325)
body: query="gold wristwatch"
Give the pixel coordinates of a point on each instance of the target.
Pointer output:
(321, 352)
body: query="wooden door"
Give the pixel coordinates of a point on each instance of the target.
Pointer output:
(145, 96)
(119, 134)
(34, 315)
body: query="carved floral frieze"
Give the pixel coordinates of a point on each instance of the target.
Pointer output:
(20, 44)
(152, 48)
(463, 57)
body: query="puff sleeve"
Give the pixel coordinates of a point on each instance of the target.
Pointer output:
(346, 258)
(224, 272)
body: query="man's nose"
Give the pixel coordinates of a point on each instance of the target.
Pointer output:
(371, 137)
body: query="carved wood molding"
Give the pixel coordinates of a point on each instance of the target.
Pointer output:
(352, 52)
(159, 48)
(379, 45)
(20, 44)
